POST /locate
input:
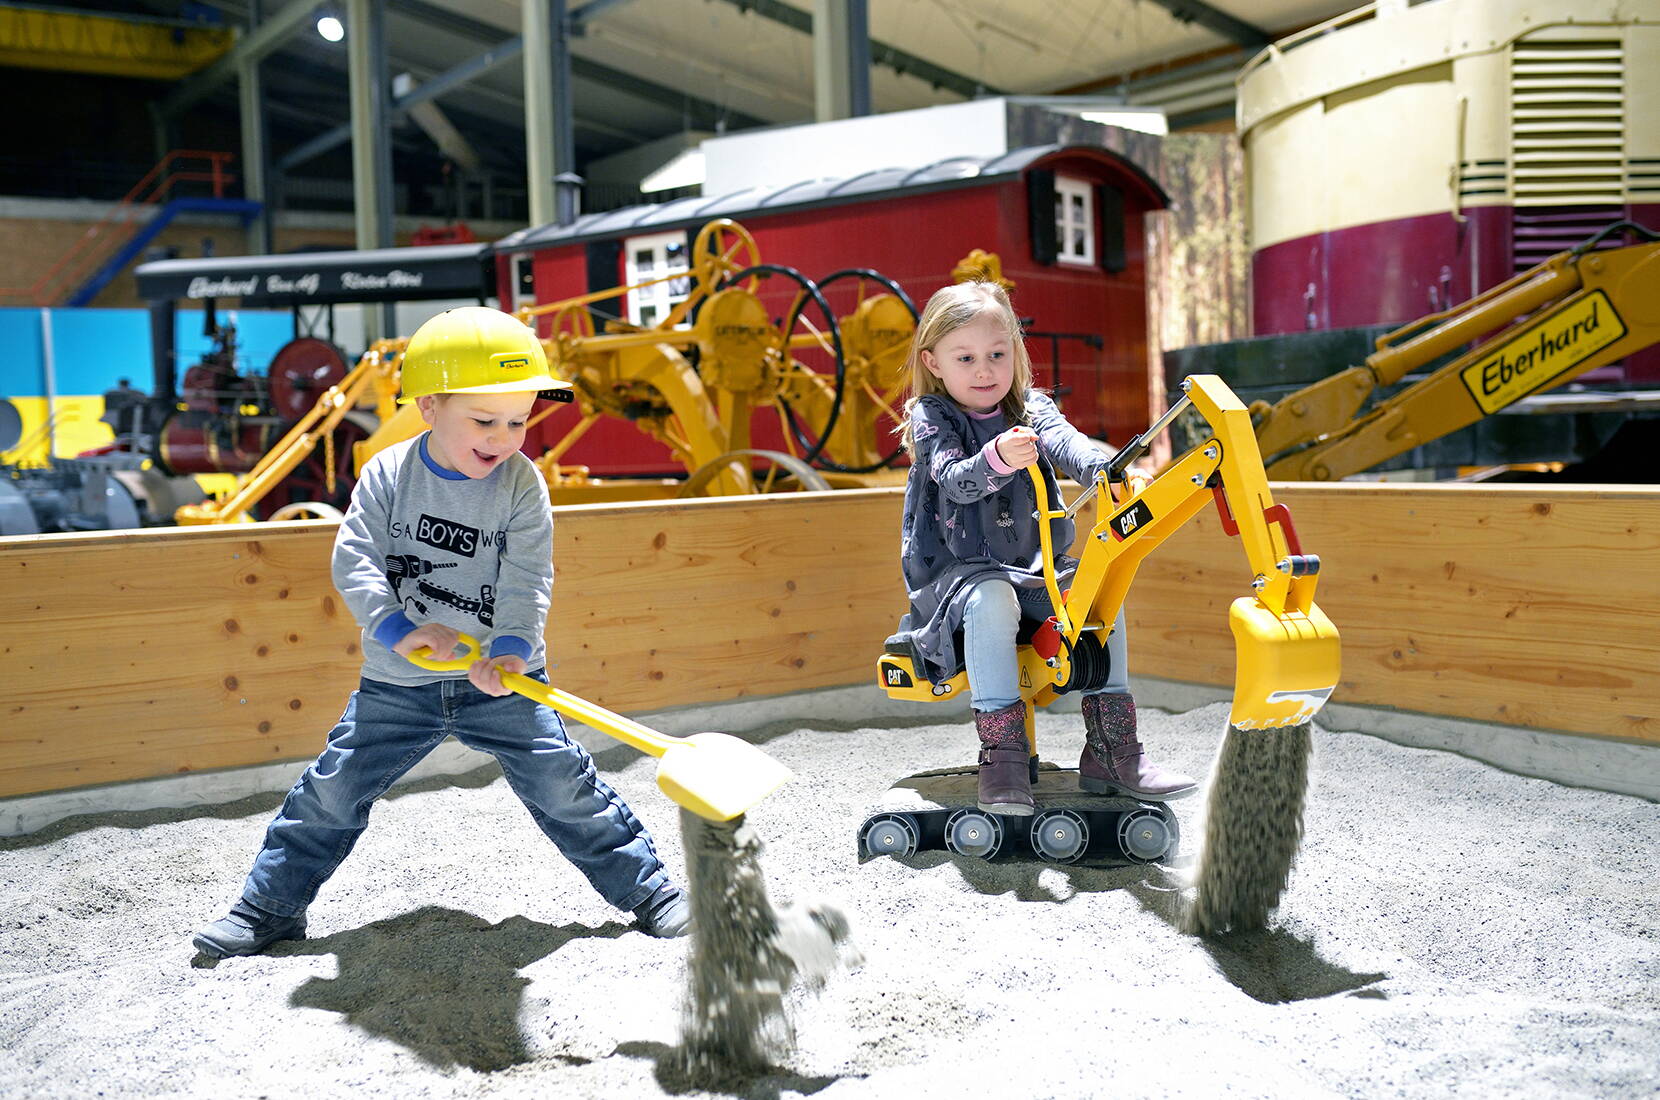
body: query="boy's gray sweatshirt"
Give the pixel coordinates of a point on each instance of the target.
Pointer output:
(422, 544)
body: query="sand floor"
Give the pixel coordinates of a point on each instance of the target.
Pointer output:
(1451, 929)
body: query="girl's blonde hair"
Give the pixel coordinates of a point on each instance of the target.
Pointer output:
(948, 310)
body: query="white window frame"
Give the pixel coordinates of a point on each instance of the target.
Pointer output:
(1074, 221)
(662, 297)
(518, 296)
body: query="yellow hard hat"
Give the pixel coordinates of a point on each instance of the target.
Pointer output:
(475, 349)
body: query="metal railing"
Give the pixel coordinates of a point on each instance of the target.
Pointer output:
(101, 238)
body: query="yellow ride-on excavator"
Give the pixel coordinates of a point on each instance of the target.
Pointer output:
(1579, 310)
(1288, 652)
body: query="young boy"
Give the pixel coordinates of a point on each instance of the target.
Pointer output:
(450, 532)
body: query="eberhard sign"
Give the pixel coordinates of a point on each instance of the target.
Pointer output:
(1552, 346)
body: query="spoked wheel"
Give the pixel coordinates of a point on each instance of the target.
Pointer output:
(809, 355)
(308, 483)
(889, 835)
(1148, 833)
(720, 248)
(771, 472)
(975, 833)
(300, 373)
(876, 338)
(1060, 836)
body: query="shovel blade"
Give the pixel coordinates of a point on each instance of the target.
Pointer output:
(717, 776)
(1286, 666)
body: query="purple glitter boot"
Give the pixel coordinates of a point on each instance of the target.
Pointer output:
(1005, 782)
(1112, 760)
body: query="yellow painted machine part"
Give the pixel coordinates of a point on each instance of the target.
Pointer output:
(1288, 656)
(1286, 664)
(84, 42)
(714, 775)
(76, 427)
(1577, 313)
(700, 414)
(404, 424)
(373, 378)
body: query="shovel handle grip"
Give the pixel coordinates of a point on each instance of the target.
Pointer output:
(459, 663)
(626, 730)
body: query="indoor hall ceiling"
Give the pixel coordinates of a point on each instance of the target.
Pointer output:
(644, 69)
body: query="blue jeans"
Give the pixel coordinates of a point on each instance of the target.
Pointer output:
(387, 729)
(991, 619)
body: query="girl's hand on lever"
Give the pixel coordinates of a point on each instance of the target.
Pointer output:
(1018, 447)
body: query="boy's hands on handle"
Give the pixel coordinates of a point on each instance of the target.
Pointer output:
(1018, 447)
(434, 636)
(484, 673)
(714, 775)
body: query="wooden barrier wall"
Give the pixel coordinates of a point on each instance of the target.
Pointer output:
(138, 654)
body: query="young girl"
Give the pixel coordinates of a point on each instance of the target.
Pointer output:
(970, 548)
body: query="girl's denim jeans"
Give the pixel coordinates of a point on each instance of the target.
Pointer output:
(991, 619)
(386, 729)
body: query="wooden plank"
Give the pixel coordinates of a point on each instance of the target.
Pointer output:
(136, 654)
(1514, 604)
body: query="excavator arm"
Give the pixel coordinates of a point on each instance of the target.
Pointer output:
(1577, 311)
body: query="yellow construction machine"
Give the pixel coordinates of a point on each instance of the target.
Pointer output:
(1288, 651)
(367, 396)
(1579, 310)
(693, 378)
(690, 381)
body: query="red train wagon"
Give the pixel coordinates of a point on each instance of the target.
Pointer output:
(1066, 221)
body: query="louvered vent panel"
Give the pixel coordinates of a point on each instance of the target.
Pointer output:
(1567, 128)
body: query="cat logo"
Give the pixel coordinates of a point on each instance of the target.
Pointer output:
(895, 677)
(1130, 520)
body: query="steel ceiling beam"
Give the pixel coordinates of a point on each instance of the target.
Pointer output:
(1217, 20)
(704, 115)
(270, 36)
(881, 53)
(432, 89)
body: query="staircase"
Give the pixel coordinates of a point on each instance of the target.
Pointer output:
(105, 249)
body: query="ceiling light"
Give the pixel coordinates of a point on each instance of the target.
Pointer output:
(330, 27)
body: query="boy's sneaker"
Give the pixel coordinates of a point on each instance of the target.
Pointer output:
(247, 930)
(666, 914)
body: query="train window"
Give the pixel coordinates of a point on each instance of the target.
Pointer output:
(1074, 221)
(524, 280)
(653, 257)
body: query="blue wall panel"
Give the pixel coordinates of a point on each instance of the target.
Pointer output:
(94, 348)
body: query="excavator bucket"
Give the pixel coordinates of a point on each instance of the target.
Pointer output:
(1287, 664)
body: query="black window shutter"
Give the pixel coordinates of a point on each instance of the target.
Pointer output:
(1040, 203)
(1109, 214)
(603, 258)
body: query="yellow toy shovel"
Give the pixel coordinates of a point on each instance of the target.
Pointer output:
(714, 775)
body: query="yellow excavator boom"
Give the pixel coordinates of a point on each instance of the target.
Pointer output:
(1577, 311)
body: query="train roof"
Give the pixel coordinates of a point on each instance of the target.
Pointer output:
(950, 173)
